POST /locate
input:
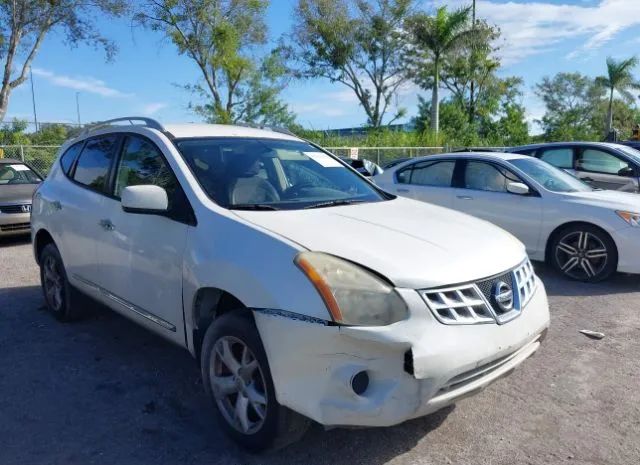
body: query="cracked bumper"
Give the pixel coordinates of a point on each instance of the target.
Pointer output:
(312, 364)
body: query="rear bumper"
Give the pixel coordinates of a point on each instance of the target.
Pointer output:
(14, 223)
(628, 242)
(415, 367)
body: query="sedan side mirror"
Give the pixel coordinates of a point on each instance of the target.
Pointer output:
(518, 188)
(147, 199)
(627, 172)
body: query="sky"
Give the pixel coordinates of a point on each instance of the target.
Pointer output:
(539, 39)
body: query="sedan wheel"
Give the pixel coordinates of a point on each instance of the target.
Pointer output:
(585, 254)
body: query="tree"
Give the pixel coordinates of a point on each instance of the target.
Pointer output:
(26, 23)
(618, 79)
(358, 44)
(436, 36)
(571, 101)
(224, 38)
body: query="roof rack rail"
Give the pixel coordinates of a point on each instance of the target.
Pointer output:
(266, 128)
(149, 122)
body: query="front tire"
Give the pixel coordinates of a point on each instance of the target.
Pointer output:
(584, 253)
(236, 376)
(58, 293)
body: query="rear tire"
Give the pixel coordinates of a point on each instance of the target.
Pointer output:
(236, 376)
(584, 252)
(59, 295)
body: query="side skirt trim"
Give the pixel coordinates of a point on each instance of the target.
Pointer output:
(126, 304)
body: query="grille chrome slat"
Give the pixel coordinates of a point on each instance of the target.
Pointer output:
(475, 303)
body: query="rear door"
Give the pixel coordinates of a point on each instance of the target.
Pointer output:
(606, 169)
(78, 208)
(428, 181)
(485, 196)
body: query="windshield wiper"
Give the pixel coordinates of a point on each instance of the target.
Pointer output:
(333, 203)
(252, 206)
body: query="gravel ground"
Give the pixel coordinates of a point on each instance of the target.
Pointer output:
(105, 391)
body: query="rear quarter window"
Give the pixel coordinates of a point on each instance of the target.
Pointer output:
(69, 156)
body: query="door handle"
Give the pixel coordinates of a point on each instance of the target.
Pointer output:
(403, 190)
(587, 179)
(107, 225)
(464, 197)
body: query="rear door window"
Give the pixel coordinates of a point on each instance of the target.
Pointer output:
(437, 174)
(558, 157)
(92, 168)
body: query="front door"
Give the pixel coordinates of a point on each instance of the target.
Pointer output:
(485, 196)
(606, 170)
(141, 254)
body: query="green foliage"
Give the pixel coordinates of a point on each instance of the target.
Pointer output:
(13, 133)
(357, 44)
(619, 79)
(224, 38)
(432, 38)
(578, 108)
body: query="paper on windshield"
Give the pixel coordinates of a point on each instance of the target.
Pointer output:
(19, 167)
(323, 159)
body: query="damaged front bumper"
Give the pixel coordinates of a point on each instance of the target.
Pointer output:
(414, 367)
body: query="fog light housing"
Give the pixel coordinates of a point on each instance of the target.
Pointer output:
(360, 382)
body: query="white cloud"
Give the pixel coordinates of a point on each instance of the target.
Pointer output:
(536, 27)
(153, 108)
(81, 83)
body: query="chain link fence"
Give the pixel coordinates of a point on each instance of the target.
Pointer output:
(383, 155)
(41, 157)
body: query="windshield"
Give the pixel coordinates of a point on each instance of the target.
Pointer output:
(550, 177)
(268, 174)
(17, 173)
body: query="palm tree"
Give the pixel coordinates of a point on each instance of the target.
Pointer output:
(619, 79)
(437, 35)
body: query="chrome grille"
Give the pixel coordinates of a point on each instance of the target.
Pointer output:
(458, 305)
(476, 302)
(15, 227)
(11, 209)
(525, 279)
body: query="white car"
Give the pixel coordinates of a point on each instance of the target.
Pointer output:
(305, 291)
(585, 233)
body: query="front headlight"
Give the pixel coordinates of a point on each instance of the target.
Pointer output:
(353, 295)
(631, 218)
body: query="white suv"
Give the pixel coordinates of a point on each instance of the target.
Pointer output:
(304, 290)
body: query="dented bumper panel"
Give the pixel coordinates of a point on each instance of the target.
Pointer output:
(414, 367)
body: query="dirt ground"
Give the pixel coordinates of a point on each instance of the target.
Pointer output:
(105, 391)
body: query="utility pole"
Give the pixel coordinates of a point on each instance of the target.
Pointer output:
(78, 108)
(472, 105)
(33, 100)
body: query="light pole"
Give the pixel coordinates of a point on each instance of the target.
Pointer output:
(78, 108)
(33, 100)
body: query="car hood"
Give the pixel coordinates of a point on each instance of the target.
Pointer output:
(607, 199)
(413, 244)
(17, 193)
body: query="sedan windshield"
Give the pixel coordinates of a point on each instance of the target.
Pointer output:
(269, 174)
(17, 173)
(550, 177)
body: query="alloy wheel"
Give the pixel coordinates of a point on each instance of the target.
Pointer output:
(238, 385)
(53, 283)
(581, 255)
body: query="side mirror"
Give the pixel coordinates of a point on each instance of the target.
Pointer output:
(147, 199)
(518, 188)
(627, 172)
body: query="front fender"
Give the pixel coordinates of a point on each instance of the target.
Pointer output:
(255, 266)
